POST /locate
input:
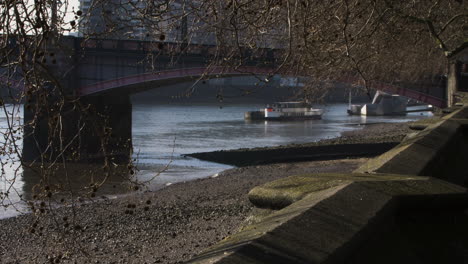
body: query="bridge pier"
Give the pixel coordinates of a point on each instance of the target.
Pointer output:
(87, 129)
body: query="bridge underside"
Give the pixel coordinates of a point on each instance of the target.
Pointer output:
(104, 117)
(142, 82)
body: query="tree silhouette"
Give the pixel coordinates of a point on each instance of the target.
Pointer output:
(329, 41)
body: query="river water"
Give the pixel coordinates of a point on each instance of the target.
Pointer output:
(162, 133)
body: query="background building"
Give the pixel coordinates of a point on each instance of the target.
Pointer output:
(143, 20)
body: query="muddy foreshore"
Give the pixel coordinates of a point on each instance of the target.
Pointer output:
(370, 141)
(167, 226)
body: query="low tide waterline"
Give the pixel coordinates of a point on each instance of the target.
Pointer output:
(163, 133)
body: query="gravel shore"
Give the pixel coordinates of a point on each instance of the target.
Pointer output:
(167, 226)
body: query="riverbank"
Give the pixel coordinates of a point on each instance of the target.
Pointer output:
(371, 140)
(167, 226)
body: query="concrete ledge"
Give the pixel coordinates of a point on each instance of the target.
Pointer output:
(328, 225)
(460, 114)
(283, 192)
(385, 212)
(438, 151)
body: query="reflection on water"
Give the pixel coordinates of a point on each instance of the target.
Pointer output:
(61, 185)
(11, 183)
(57, 184)
(161, 133)
(74, 180)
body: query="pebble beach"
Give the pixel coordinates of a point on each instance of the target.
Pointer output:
(170, 225)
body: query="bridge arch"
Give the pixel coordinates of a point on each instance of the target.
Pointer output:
(138, 83)
(110, 104)
(141, 82)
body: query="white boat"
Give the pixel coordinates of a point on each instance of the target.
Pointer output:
(286, 111)
(382, 104)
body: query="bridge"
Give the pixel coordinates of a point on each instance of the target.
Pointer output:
(102, 74)
(86, 65)
(142, 82)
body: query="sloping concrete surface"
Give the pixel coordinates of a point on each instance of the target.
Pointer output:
(283, 192)
(439, 151)
(406, 206)
(328, 225)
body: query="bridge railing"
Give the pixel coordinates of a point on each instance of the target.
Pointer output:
(167, 47)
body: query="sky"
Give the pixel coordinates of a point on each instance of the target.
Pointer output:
(72, 4)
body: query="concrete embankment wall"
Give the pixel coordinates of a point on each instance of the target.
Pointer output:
(405, 206)
(440, 151)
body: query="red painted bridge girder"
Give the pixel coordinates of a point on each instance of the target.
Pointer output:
(172, 76)
(418, 96)
(187, 74)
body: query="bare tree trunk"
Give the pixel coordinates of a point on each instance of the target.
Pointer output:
(54, 17)
(452, 82)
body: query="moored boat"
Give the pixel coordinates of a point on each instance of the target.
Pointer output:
(382, 104)
(286, 111)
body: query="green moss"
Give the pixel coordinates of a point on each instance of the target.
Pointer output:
(283, 192)
(426, 121)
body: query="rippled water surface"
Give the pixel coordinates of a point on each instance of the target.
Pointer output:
(161, 133)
